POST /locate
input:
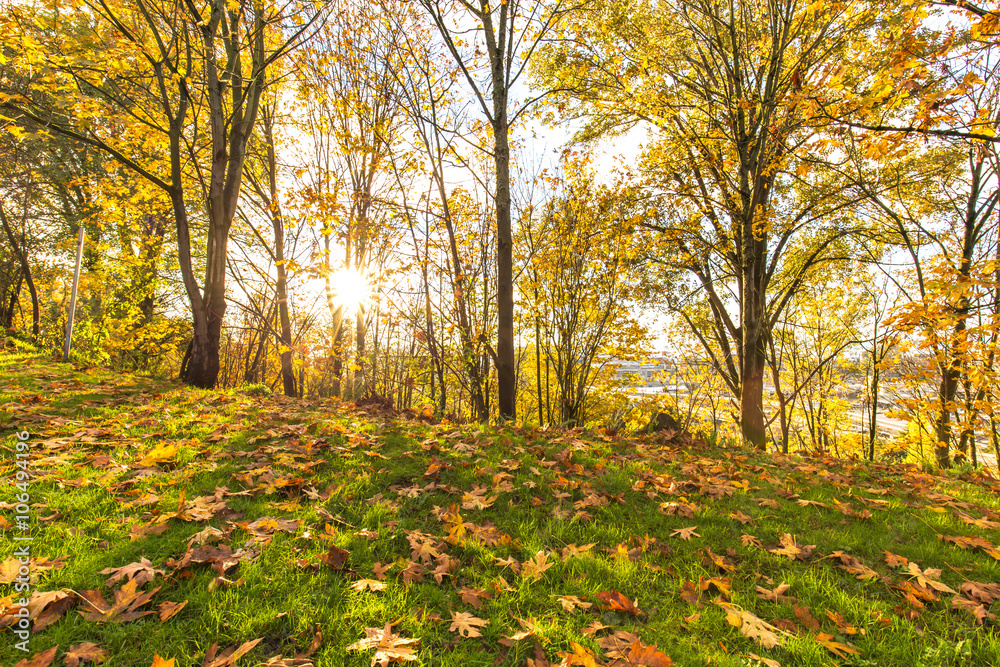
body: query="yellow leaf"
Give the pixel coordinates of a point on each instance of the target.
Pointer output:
(159, 454)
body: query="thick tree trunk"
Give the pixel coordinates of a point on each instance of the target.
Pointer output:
(21, 251)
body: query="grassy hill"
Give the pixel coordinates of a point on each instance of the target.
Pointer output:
(218, 528)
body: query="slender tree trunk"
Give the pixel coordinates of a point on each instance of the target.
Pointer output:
(506, 372)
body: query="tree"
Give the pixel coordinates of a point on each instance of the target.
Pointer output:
(507, 34)
(171, 69)
(746, 212)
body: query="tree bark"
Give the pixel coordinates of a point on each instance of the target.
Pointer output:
(21, 252)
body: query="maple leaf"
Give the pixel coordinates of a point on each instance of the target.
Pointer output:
(573, 551)
(892, 560)
(533, 568)
(229, 656)
(473, 596)
(380, 570)
(837, 648)
(616, 644)
(792, 550)
(159, 454)
(40, 659)
(168, 610)
(143, 572)
(775, 595)
(335, 558)
(615, 601)
(741, 517)
(579, 656)
(691, 593)
(85, 652)
(767, 662)
(752, 626)
(977, 609)
(805, 618)
(643, 655)
(465, 624)
(685, 533)
(572, 602)
(412, 572)
(389, 647)
(127, 601)
(721, 562)
(841, 623)
(368, 584)
(926, 578)
(160, 662)
(985, 593)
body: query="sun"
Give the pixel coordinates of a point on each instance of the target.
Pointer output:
(350, 289)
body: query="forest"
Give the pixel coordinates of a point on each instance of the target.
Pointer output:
(481, 212)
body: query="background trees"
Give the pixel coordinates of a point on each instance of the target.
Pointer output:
(375, 209)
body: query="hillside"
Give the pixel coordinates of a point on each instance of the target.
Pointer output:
(178, 527)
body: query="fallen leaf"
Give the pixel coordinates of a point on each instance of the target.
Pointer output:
(572, 602)
(685, 533)
(837, 648)
(389, 647)
(615, 601)
(368, 584)
(142, 572)
(466, 624)
(85, 652)
(168, 610)
(40, 659)
(752, 626)
(229, 656)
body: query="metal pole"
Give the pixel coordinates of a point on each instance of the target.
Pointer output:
(72, 303)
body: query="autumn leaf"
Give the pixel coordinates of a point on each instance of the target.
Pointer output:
(615, 601)
(40, 659)
(533, 568)
(389, 647)
(752, 626)
(368, 584)
(229, 656)
(335, 558)
(805, 618)
(168, 610)
(142, 572)
(159, 454)
(580, 656)
(160, 662)
(124, 608)
(572, 602)
(776, 594)
(381, 570)
(837, 648)
(691, 593)
(466, 624)
(685, 533)
(791, 549)
(473, 596)
(85, 652)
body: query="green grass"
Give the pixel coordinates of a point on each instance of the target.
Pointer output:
(359, 481)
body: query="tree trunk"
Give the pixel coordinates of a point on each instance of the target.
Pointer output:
(22, 256)
(506, 372)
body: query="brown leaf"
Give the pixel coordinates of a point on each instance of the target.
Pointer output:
(466, 624)
(40, 659)
(473, 596)
(791, 549)
(160, 662)
(842, 623)
(805, 618)
(615, 601)
(776, 594)
(389, 647)
(752, 626)
(85, 652)
(143, 572)
(335, 558)
(127, 601)
(168, 610)
(837, 648)
(572, 602)
(368, 584)
(691, 593)
(229, 656)
(685, 533)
